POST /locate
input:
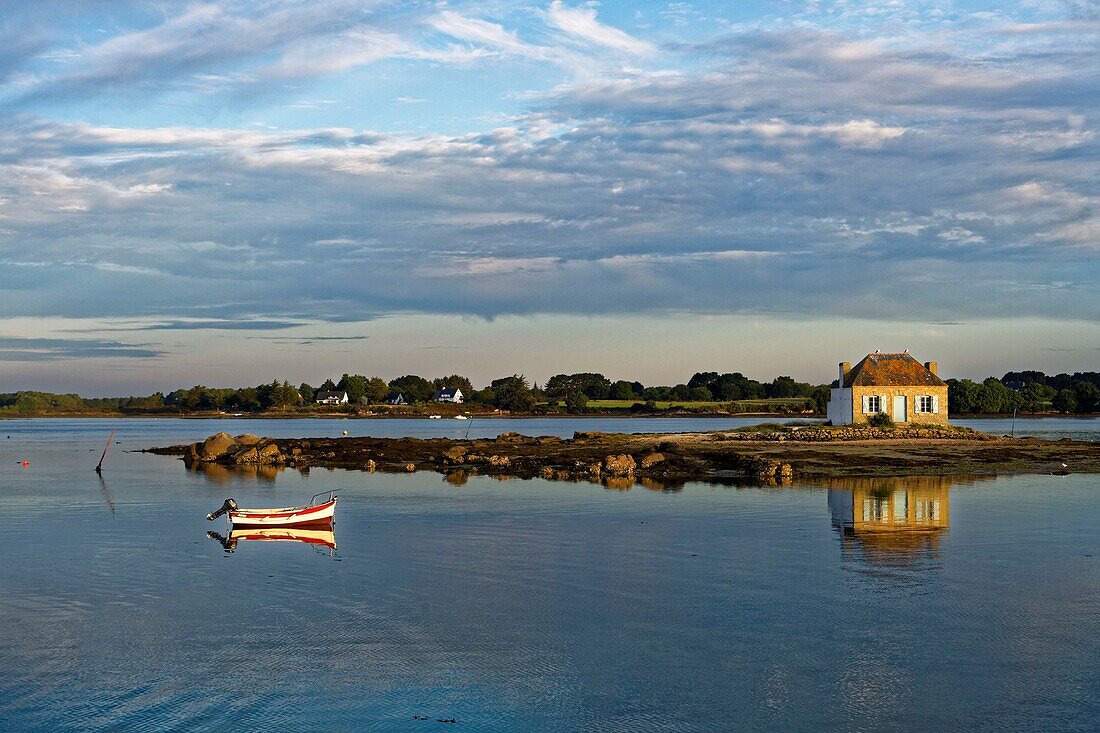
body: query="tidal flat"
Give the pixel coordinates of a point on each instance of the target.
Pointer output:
(770, 453)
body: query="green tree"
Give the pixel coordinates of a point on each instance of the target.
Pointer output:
(376, 390)
(327, 386)
(1088, 397)
(246, 399)
(1065, 401)
(307, 392)
(415, 389)
(1033, 397)
(963, 395)
(284, 396)
(513, 393)
(994, 397)
(355, 385)
(27, 404)
(454, 381)
(595, 386)
(700, 394)
(622, 390)
(702, 379)
(576, 403)
(820, 398)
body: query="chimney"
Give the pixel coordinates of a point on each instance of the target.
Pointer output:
(932, 367)
(845, 367)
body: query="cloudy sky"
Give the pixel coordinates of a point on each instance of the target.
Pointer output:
(228, 192)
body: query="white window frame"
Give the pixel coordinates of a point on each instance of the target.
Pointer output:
(925, 404)
(874, 404)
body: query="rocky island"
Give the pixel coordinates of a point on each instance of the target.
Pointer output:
(767, 453)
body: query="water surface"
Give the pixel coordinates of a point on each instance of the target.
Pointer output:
(920, 604)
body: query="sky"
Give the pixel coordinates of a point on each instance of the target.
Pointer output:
(225, 193)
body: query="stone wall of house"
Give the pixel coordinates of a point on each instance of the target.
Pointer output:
(911, 394)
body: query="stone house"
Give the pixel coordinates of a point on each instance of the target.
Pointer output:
(896, 384)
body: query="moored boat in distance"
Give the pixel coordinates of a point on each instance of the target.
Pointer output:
(317, 513)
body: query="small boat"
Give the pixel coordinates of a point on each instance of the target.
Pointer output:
(461, 417)
(435, 417)
(317, 513)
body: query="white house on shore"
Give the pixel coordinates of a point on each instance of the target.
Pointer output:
(331, 398)
(448, 394)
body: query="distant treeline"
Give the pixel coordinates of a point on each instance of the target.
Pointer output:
(1027, 391)
(568, 392)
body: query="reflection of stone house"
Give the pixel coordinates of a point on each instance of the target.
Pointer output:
(895, 384)
(895, 521)
(448, 394)
(331, 398)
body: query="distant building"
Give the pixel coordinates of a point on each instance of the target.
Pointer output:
(331, 398)
(448, 394)
(896, 384)
(395, 398)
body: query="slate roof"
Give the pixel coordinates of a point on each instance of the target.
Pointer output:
(446, 393)
(895, 370)
(329, 396)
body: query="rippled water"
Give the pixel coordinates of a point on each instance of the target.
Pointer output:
(920, 604)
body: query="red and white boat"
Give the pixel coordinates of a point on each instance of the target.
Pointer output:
(318, 513)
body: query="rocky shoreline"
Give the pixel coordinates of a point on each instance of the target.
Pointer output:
(769, 454)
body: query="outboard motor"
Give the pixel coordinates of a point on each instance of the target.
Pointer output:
(228, 506)
(228, 543)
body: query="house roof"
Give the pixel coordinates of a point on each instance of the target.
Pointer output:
(330, 395)
(900, 370)
(447, 392)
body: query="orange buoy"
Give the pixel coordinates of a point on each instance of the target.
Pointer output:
(26, 463)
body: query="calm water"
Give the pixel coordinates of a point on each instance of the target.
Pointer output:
(920, 604)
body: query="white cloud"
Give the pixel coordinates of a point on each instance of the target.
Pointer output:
(580, 25)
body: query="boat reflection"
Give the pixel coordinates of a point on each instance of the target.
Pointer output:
(892, 522)
(321, 539)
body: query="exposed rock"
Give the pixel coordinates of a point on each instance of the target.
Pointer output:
(456, 454)
(410, 467)
(619, 465)
(259, 455)
(495, 460)
(247, 439)
(652, 460)
(370, 465)
(216, 446)
(591, 469)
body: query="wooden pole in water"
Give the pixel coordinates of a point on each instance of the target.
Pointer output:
(99, 466)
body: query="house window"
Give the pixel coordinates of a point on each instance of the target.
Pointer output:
(874, 404)
(924, 404)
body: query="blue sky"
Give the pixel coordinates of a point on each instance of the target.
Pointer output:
(231, 192)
